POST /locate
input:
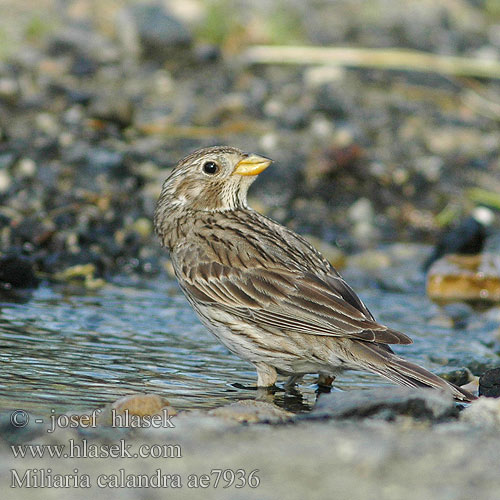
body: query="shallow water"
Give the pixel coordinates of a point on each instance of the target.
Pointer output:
(69, 349)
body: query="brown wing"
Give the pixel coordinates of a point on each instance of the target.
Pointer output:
(289, 300)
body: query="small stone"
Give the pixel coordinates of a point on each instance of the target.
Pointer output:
(361, 210)
(294, 117)
(250, 411)
(465, 278)
(321, 127)
(114, 108)
(9, 90)
(489, 383)
(458, 377)
(5, 181)
(104, 159)
(386, 404)
(472, 386)
(142, 405)
(207, 53)
(26, 167)
(84, 273)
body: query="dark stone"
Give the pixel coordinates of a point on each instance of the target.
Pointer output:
(489, 383)
(330, 101)
(480, 366)
(385, 403)
(207, 53)
(26, 430)
(294, 118)
(83, 66)
(467, 237)
(30, 229)
(113, 108)
(158, 31)
(16, 272)
(458, 377)
(5, 220)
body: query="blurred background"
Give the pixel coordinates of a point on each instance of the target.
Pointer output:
(382, 118)
(99, 98)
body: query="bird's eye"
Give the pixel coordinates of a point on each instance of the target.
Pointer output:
(210, 167)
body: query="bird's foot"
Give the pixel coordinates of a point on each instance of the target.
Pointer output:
(324, 383)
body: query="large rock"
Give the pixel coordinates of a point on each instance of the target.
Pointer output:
(489, 383)
(16, 272)
(465, 278)
(385, 403)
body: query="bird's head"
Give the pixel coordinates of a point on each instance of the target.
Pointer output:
(211, 180)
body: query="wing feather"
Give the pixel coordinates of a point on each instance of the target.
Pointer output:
(290, 300)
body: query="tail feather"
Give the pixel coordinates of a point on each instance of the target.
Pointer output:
(409, 374)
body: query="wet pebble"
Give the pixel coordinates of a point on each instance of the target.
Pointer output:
(250, 411)
(465, 278)
(459, 377)
(142, 405)
(489, 383)
(113, 108)
(385, 403)
(16, 272)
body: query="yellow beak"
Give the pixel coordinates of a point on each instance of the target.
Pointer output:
(252, 165)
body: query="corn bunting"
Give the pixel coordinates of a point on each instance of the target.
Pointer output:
(263, 290)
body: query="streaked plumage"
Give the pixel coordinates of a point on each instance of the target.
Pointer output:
(262, 289)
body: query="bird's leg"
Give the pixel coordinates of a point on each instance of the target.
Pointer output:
(265, 394)
(325, 380)
(292, 381)
(266, 375)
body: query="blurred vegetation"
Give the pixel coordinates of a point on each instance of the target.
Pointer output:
(284, 25)
(492, 8)
(37, 27)
(220, 22)
(27, 21)
(226, 24)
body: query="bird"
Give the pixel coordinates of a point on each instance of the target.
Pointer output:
(467, 237)
(266, 293)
